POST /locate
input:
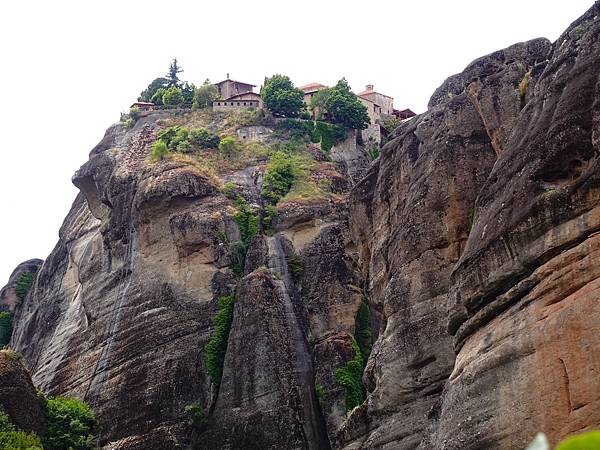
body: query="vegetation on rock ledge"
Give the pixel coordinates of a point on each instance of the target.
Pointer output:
(215, 349)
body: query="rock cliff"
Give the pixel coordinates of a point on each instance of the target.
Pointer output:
(466, 251)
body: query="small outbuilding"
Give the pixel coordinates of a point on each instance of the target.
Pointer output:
(143, 106)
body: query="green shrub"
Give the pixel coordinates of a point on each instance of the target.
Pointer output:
(374, 153)
(215, 349)
(229, 189)
(20, 440)
(5, 423)
(328, 135)
(237, 257)
(71, 425)
(23, 284)
(281, 97)
(228, 146)
(350, 378)
(183, 147)
(197, 414)
(203, 138)
(159, 150)
(295, 264)
(583, 441)
(363, 333)
(345, 109)
(172, 96)
(292, 128)
(5, 328)
(247, 221)
(157, 97)
(279, 177)
(320, 391)
(269, 214)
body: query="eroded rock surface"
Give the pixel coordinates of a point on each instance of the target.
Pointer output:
(473, 240)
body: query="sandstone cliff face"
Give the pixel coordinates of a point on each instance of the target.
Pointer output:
(18, 397)
(123, 306)
(476, 232)
(472, 239)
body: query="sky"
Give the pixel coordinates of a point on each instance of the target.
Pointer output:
(68, 68)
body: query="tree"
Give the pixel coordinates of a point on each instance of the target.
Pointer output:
(173, 96)
(172, 77)
(188, 91)
(281, 97)
(345, 109)
(157, 98)
(148, 93)
(317, 103)
(205, 95)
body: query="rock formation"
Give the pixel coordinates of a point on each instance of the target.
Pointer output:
(18, 397)
(472, 240)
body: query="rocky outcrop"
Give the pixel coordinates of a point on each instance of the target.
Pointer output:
(476, 231)
(9, 300)
(18, 397)
(471, 242)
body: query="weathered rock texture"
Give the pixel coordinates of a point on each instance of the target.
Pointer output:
(474, 240)
(18, 397)
(477, 232)
(8, 295)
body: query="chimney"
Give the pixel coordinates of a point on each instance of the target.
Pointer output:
(228, 75)
(369, 87)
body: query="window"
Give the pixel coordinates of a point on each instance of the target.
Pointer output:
(244, 103)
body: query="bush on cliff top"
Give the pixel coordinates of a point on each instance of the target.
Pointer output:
(19, 440)
(215, 349)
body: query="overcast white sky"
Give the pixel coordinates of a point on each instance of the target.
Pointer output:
(67, 68)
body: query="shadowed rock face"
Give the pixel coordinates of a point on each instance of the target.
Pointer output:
(473, 238)
(18, 397)
(9, 299)
(477, 231)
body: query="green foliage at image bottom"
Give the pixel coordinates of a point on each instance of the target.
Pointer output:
(215, 349)
(5, 328)
(350, 378)
(71, 425)
(584, 441)
(19, 440)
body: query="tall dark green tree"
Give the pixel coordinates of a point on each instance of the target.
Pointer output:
(188, 90)
(281, 97)
(344, 108)
(173, 74)
(147, 94)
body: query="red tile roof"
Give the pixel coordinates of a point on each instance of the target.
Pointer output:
(312, 87)
(363, 93)
(239, 95)
(234, 81)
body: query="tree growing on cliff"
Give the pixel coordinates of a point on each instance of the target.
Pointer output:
(281, 97)
(205, 95)
(157, 84)
(173, 74)
(344, 108)
(173, 96)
